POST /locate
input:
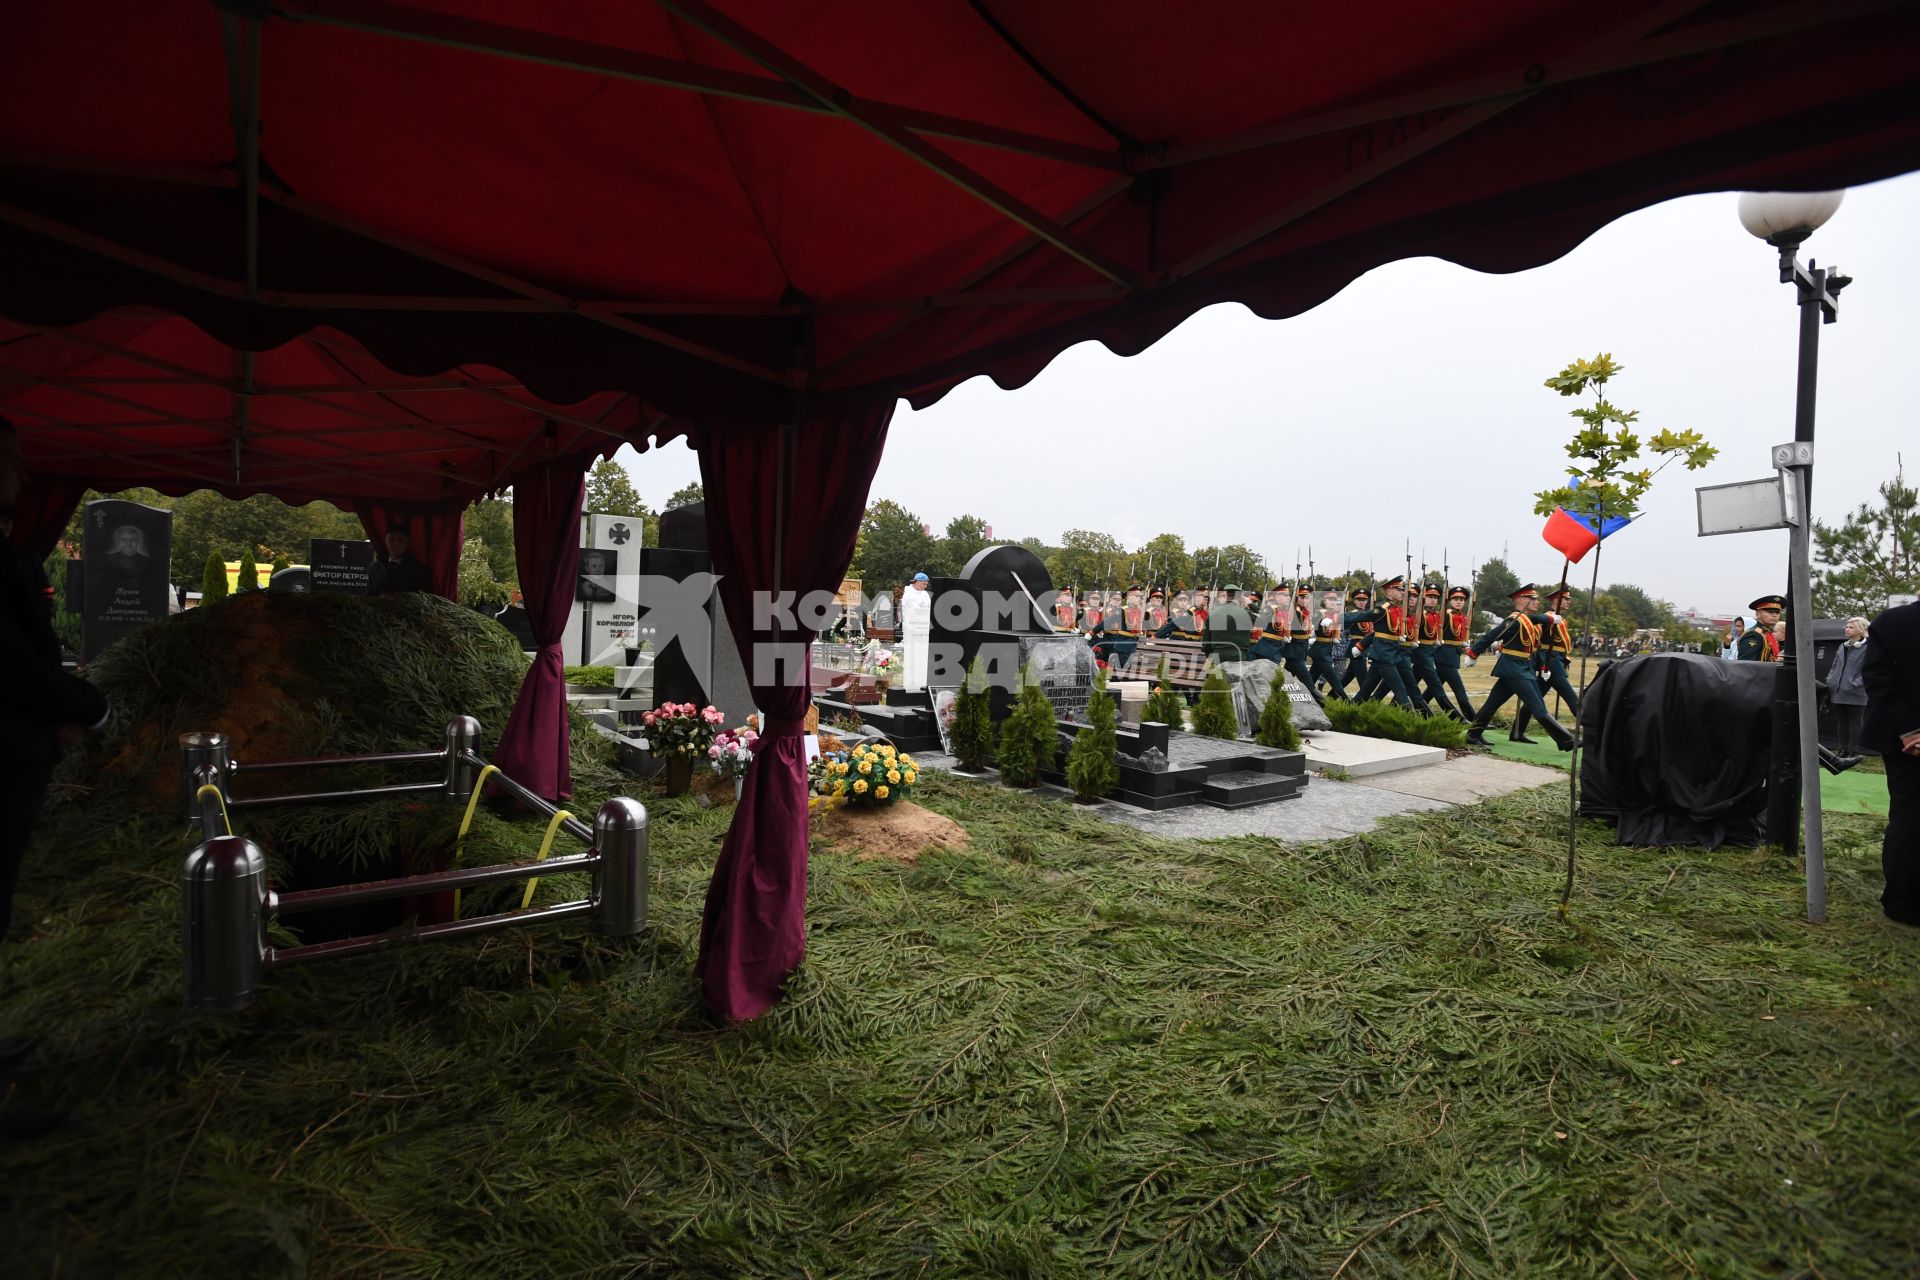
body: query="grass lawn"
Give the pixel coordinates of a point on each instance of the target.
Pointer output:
(1070, 1050)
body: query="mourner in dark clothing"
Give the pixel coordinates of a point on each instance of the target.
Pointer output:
(1892, 727)
(42, 709)
(398, 570)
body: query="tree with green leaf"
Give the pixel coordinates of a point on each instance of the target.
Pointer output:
(280, 562)
(1606, 480)
(1166, 704)
(1276, 728)
(611, 492)
(1872, 554)
(972, 731)
(1093, 767)
(1164, 558)
(893, 546)
(966, 538)
(1029, 737)
(213, 578)
(1214, 717)
(1493, 583)
(65, 625)
(491, 521)
(1235, 565)
(249, 575)
(1087, 559)
(685, 496)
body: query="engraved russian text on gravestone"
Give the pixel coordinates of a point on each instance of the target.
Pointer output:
(126, 548)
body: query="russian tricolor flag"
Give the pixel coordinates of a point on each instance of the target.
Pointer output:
(1573, 536)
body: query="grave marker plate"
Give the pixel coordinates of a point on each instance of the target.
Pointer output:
(126, 549)
(340, 567)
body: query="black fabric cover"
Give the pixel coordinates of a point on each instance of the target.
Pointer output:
(1676, 749)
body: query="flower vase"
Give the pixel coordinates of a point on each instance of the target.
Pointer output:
(679, 775)
(739, 785)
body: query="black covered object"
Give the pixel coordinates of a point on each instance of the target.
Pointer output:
(1676, 749)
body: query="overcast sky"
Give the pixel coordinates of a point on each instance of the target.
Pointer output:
(1424, 376)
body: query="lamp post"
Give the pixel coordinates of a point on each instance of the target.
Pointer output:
(1785, 220)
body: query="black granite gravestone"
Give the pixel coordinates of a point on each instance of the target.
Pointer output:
(673, 576)
(126, 548)
(341, 567)
(993, 612)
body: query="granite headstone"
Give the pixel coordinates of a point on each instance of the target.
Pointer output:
(126, 548)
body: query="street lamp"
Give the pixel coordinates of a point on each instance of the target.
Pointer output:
(1785, 220)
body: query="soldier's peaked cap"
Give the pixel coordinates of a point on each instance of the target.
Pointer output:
(1461, 592)
(1395, 581)
(1524, 589)
(1769, 602)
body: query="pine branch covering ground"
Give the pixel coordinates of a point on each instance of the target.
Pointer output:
(1375, 719)
(1071, 1049)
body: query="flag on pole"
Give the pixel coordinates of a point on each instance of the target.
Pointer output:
(1573, 536)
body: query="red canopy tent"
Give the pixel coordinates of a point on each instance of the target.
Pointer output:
(768, 220)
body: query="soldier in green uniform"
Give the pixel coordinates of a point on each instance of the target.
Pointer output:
(1556, 650)
(1518, 635)
(1389, 666)
(1426, 631)
(1359, 635)
(1455, 633)
(1328, 652)
(1757, 642)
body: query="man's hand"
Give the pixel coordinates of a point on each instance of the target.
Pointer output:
(1910, 743)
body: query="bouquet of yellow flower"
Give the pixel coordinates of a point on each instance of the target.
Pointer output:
(872, 775)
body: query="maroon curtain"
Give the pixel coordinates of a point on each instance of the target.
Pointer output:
(534, 746)
(754, 931)
(41, 514)
(436, 533)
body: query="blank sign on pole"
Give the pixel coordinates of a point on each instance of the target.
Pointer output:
(1747, 507)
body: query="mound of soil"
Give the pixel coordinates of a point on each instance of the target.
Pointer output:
(899, 833)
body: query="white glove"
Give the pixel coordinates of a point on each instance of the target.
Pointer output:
(1470, 659)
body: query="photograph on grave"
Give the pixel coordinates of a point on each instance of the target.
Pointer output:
(339, 567)
(126, 548)
(944, 702)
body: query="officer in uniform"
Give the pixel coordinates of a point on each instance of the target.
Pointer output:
(1456, 629)
(1123, 629)
(1229, 628)
(1272, 623)
(1427, 639)
(1757, 642)
(1300, 639)
(1556, 650)
(1181, 624)
(1064, 614)
(1389, 666)
(1359, 635)
(1518, 635)
(1156, 611)
(1327, 654)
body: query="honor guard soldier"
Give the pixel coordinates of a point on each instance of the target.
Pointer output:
(1156, 611)
(1272, 624)
(1229, 628)
(1180, 624)
(1300, 638)
(1556, 650)
(1123, 629)
(1518, 635)
(1359, 636)
(1456, 631)
(1065, 616)
(1426, 671)
(1327, 654)
(1757, 642)
(1389, 665)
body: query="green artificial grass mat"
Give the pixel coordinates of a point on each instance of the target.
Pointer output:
(1070, 1050)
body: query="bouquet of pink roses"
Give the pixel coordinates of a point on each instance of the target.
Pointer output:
(682, 729)
(732, 752)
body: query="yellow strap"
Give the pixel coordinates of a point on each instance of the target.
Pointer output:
(546, 847)
(466, 821)
(201, 794)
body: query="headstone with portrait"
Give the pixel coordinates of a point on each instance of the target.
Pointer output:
(126, 549)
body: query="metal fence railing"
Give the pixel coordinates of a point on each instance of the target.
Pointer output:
(228, 904)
